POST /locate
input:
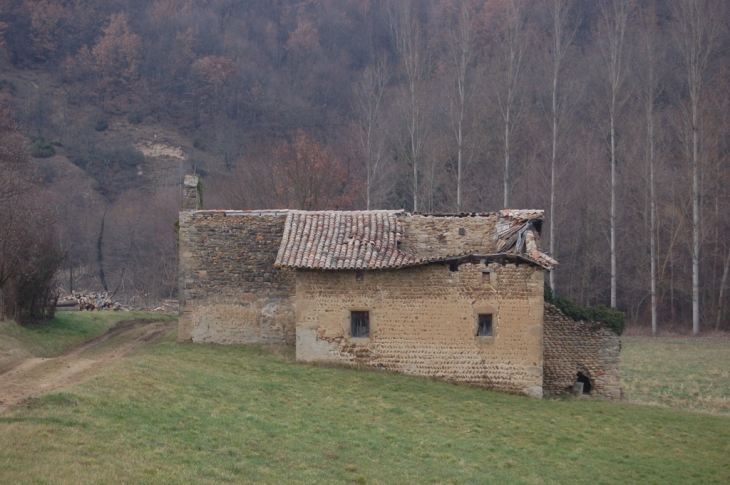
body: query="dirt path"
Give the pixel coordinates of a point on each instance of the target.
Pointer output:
(34, 377)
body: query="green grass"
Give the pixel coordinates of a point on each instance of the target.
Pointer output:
(183, 413)
(685, 373)
(63, 332)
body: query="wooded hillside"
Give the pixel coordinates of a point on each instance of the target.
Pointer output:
(610, 114)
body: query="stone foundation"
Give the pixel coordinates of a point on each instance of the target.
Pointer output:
(571, 347)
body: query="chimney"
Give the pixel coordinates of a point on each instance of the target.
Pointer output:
(192, 193)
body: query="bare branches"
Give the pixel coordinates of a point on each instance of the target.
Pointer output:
(697, 29)
(368, 99)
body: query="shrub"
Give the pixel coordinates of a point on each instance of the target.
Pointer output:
(199, 144)
(101, 124)
(611, 318)
(135, 118)
(42, 148)
(7, 85)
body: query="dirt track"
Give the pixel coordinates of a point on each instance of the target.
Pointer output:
(34, 377)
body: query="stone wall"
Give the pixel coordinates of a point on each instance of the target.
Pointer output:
(230, 292)
(571, 347)
(429, 236)
(423, 321)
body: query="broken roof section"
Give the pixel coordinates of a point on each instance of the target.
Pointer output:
(344, 240)
(517, 232)
(371, 240)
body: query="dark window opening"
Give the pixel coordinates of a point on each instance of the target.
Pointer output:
(359, 324)
(453, 267)
(485, 325)
(586, 382)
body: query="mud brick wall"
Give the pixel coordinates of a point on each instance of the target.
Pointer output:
(230, 292)
(423, 321)
(428, 236)
(571, 347)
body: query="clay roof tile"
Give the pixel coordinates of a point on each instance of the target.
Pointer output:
(343, 240)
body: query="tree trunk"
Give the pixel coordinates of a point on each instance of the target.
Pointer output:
(695, 223)
(723, 285)
(652, 216)
(613, 203)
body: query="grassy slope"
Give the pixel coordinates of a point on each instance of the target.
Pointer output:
(678, 372)
(181, 413)
(61, 333)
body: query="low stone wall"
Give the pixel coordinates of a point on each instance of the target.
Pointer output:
(230, 292)
(571, 347)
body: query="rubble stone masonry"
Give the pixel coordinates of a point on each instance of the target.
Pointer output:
(431, 237)
(423, 321)
(230, 292)
(572, 347)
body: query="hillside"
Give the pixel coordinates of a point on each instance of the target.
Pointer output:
(580, 108)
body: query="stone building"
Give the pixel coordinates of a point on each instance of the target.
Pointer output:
(455, 297)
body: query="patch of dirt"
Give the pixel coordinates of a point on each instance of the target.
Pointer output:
(33, 377)
(157, 150)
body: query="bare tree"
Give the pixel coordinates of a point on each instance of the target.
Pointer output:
(368, 99)
(513, 40)
(614, 18)
(696, 35)
(409, 42)
(562, 38)
(460, 44)
(650, 92)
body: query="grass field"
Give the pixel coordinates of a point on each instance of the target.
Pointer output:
(183, 413)
(686, 373)
(66, 330)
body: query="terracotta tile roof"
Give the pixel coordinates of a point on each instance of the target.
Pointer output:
(344, 240)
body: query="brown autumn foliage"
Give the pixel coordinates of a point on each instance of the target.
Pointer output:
(233, 79)
(310, 177)
(116, 57)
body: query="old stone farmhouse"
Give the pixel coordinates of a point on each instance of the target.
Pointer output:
(455, 297)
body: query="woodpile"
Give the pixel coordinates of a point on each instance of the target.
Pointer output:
(90, 302)
(167, 306)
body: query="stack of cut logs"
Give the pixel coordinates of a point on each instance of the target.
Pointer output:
(90, 302)
(167, 306)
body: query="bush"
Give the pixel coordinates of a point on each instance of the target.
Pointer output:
(31, 258)
(7, 85)
(199, 144)
(135, 118)
(101, 124)
(42, 148)
(610, 318)
(34, 287)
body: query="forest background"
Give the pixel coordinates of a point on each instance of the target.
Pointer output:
(610, 114)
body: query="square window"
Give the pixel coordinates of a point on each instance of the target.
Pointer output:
(485, 325)
(359, 324)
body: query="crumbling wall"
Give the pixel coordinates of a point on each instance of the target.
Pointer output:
(230, 292)
(428, 236)
(423, 321)
(571, 347)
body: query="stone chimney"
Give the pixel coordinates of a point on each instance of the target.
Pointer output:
(192, 193)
